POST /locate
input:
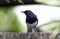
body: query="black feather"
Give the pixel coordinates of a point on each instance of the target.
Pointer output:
(31, 20)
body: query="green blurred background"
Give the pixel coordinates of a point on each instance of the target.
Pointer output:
(49, 2)
(9, 20)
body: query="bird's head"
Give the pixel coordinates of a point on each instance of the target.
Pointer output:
(28, 13)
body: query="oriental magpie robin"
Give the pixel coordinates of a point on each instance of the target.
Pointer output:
(31, 20)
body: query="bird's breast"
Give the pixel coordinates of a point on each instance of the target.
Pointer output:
(32, 25)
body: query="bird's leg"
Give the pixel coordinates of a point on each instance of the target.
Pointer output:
(29, 30)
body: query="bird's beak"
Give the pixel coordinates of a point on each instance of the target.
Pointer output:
(22, 11)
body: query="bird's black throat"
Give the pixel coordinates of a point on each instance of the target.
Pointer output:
(31, 20)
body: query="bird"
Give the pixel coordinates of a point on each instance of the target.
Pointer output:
(31, 20)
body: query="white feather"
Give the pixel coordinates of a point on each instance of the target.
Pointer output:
(32, 25)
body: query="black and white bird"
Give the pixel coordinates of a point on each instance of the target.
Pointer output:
(31, 20)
